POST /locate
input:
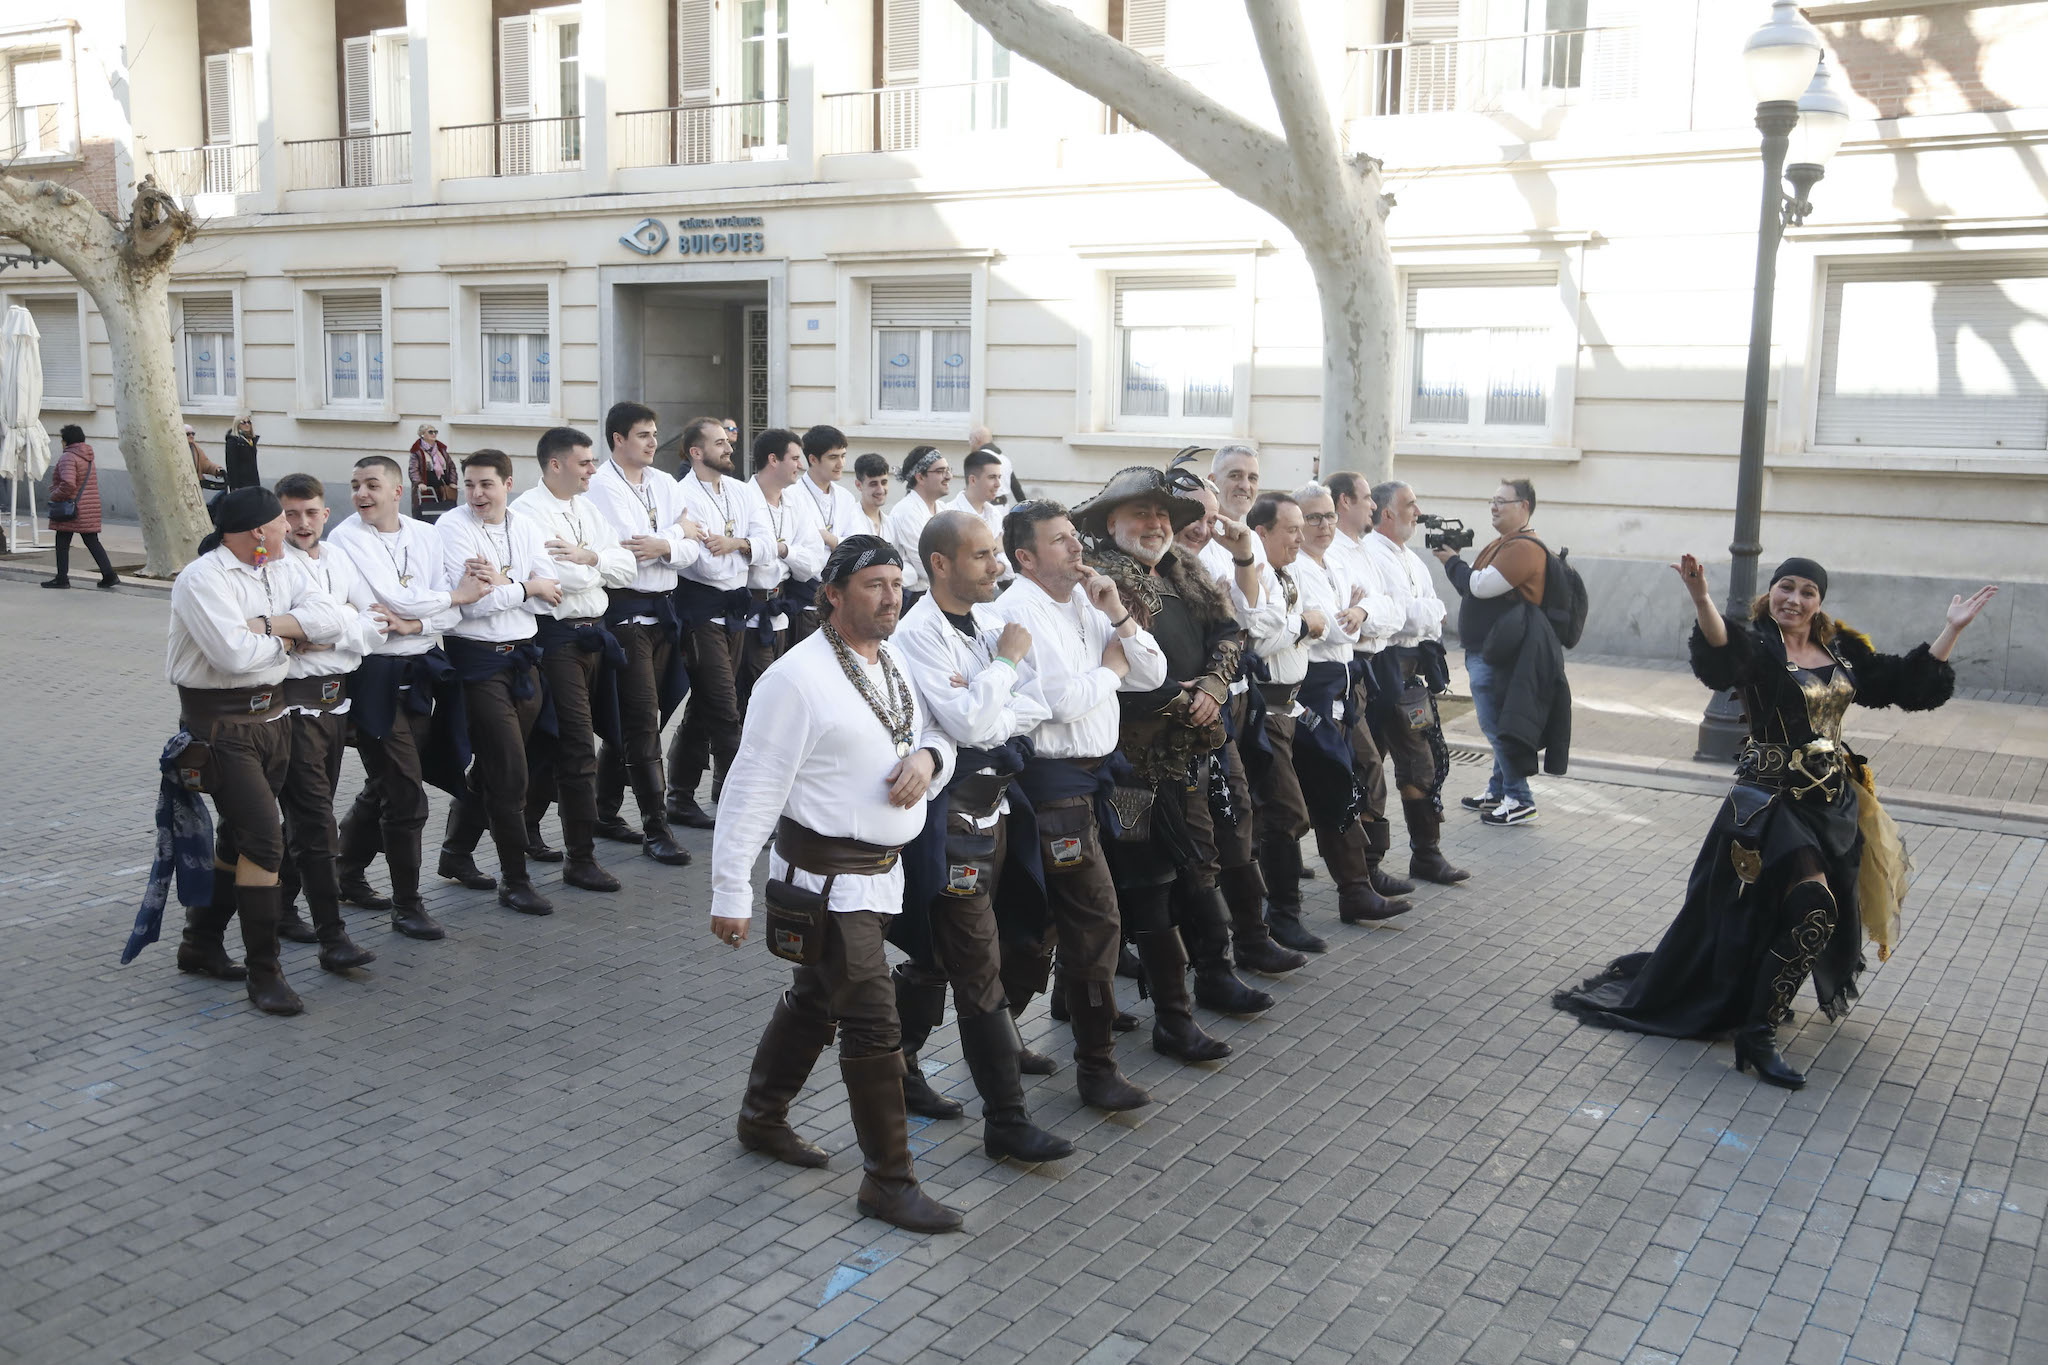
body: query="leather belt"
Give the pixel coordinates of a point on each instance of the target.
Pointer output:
(316, 694)
(978, 794)
(827, 856)
(230, 703)
(1279, 694)
(1798, 770)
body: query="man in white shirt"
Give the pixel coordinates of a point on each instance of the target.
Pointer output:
(1235, 472)
(980, 488)
(1352, 569)
(971, 670)
(799, 555)
(836, 764)
(1421, 761)
(493, 650)
(643, 508)
(393, 707)
(238, 613)
(838, 508)
(316, 687)
(927, 479)
(587, 560)
(1083, 657)
(713, 601)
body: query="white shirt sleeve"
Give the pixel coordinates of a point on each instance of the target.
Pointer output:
(977, 715)
(1147, 661)
(1488, 582)
(456, 551)
(324, 620)
(214, 619)
(1270, 624)
(772, 749)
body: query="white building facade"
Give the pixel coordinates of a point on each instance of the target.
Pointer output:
(498, 217)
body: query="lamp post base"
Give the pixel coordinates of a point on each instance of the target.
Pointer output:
(1723, 729)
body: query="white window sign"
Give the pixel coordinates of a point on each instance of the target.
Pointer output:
(923, 366)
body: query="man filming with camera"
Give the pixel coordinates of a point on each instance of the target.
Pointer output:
(1508, 571)
(1405, 675)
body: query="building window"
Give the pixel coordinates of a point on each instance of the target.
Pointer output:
(540, 77)
(1939, 354)
(517, 357)
(1482, 352)
(1176, 350)
(62, 345)
(38, 114)
(764, 72)
(352, 327)
(922, 348)
(206, 347)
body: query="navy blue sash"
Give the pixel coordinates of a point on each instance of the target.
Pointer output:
(674, 683)
(700, 603)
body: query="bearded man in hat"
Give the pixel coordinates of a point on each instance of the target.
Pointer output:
(1164, 858)
(239, 612)
(838, 756)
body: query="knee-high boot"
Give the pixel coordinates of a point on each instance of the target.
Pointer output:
(1280, 864)
(992, 1048)
(268, 990)
(467, 823)
(202, 950)
(515, 890)
(408, 912)
(1426, 861)
(920, 1008)
(657, 840)
(1344, 853)
(1204, 923)
(1379, 838)
(1244, 894)
(338, 953)
(361, 834)
(889, 1190)
(783, 1059)
(1807, 914)
(1091, 1005)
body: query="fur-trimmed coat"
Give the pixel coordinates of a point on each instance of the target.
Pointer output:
(1158, 737)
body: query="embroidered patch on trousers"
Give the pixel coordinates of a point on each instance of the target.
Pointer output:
(1067, 852)
(963, 879)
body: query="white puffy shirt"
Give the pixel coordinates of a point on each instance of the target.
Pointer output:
(737, 502)
(1275, 626)
(794, 523)
(338, 578)
(836, 509)
(904, 524)
(652, 507)
(1348, 564)
(1320, 592)
(580, 523)
(990, 515)
(813, 749)
(403, 571)
(1077, 690)
(212, 602)
(998, 703)
(505, 612)
(1406, 580)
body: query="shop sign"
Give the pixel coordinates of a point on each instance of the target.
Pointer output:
(723, 236)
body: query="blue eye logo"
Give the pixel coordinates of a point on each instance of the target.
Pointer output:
(346, 357)
(956, 359)
(505, 358)
(206, 355)
(899, 359)
(647, 237)
(541, 359)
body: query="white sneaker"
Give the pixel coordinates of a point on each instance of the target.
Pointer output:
(1509, 812)
(1487, 802)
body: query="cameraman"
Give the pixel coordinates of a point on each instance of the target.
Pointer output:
(1512, 564)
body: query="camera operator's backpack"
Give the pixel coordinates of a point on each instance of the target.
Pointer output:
(1564, 597)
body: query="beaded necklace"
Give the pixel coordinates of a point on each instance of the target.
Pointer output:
(896, 718)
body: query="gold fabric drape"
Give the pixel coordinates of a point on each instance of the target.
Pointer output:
(1887, 871)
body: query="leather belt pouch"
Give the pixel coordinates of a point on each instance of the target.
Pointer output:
(796, 921)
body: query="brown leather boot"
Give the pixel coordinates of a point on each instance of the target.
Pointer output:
(1379, 838)
(1344, 853)
(657, 840)
(874, 1092)
(1280, 864)
(1244, 894)
(408, 912)
(202, 950)
(783, 1059)
(1205, 929)
(992, 1049)
(338, 953)
(361, 839)
(1174, 1030)
(515, 891)
(268, 990)
(1427, 862)
(1091, 1005)
(920, 1008)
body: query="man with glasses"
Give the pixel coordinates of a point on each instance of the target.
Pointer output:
(1508, 570)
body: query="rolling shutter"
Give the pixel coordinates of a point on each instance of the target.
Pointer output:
(921, 301)
(513, 310)
(63, 354)
(208, 313)
(1943, 354)
(1513, 296)
(355, 311)
(1183, 299)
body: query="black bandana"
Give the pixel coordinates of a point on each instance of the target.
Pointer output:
(856, 553)
(923, 466)
(1803, 568)
(245, 509)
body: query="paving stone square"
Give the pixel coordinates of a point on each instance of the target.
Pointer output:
(517, 1144)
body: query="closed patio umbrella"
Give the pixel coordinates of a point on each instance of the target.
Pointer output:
(24, 445)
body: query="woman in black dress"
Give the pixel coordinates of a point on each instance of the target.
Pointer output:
(1773, 894)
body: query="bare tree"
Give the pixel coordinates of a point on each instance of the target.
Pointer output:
(126, 269)
(1331, 202)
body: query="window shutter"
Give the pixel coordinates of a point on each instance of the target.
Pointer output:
(1175, 299)
(220, 99)
(513, 310)
(693, 52)
(359, 104)
(1430, 71)
(56, 319)
(901, 24)
(921, 301)
(1145, 28)
(208, 312)
(1942, 354)
(242, 94)
(354, 311)
(515, 67)
(1612, 53)
(1511, 296)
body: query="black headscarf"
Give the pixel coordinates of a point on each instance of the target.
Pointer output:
(244, 509)
(855, 553)
(1803, 568)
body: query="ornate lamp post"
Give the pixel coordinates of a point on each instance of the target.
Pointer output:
(1802, 116)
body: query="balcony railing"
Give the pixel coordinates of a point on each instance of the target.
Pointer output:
(901, 118)
(530, 146)
(335, 163)
(703, 134)
(222, 168)
(1482, 75)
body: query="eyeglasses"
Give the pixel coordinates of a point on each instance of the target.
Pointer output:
(1504, 502)
(1320, 519)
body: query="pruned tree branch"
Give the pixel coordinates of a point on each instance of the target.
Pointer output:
(1224, 145)
(1312, 140)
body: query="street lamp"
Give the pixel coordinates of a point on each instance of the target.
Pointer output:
(1800, 114)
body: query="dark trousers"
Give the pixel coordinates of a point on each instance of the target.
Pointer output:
(250, 761)
(849, 985)
(1080, 892)
(1368, 765)
(1219, 844)
(93, 547)
(499, 725)
(564, 769)
(711, 717)
(754, 660)
(965, 947)
(1282, 813)
(648, 650)
(391, 809)
(317, 744)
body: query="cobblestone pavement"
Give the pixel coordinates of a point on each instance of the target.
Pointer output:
(517, 1144)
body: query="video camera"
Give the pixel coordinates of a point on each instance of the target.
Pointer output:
(1447, 533)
